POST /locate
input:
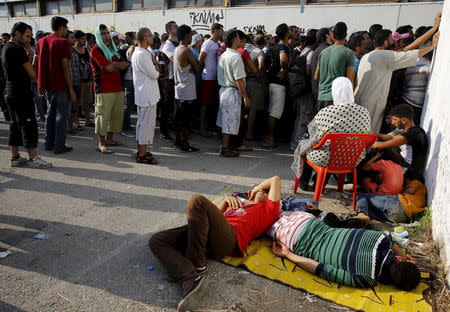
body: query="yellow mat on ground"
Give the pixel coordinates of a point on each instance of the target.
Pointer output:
(260, 260)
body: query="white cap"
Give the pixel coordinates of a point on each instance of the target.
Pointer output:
(196, 38)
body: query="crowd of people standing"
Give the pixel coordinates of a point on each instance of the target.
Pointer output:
(240, 85)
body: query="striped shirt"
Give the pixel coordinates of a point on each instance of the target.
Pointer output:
(347, 256)
(288, 227)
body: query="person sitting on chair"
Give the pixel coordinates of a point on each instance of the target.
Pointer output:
(343, 117)
(353, 257)
(215, 231)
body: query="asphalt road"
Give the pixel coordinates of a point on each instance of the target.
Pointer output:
(101, 211)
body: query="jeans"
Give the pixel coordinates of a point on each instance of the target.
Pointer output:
(39, 102)
(381, 207)
(129, 103)
(181, 250)
(59, 108)
(167, 106)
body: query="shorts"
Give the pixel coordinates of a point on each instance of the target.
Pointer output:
(145, 124)
(109, 112)
(229, 115)
(208, 92)
(277, 97)
(257, 92)
(182, 114)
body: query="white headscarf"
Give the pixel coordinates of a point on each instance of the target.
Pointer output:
(342, 91)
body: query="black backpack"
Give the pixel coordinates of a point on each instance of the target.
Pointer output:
(296, 75)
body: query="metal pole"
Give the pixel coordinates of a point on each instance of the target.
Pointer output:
(302, 6)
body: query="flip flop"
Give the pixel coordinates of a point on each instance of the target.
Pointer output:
(268, 147)
(104, 150)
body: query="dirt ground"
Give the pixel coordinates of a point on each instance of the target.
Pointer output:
(102, 209)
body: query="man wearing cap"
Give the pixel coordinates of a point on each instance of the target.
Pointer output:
(375, 70)
(196, 45)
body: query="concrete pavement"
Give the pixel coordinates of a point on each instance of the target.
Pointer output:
(101, 211)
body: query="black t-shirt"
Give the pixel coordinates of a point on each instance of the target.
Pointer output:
(313, 65)
(13, 58)
(418, 147)
(383, 259)
(273, 62)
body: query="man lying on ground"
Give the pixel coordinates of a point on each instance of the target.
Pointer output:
(353, 257)
(215, 232)
(394, 208)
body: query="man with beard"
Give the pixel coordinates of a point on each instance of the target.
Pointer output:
(375, 72)
(414, 137)
(23, 129)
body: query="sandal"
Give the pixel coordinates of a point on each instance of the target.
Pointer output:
(104, 149)
(146, 159)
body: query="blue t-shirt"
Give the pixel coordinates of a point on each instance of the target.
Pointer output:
(356, 65)
(198, 77)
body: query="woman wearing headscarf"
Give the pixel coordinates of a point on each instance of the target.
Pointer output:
(107, 64)
(344, 116)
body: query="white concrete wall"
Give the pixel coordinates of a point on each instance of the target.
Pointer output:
(436, 122)
(249, 18)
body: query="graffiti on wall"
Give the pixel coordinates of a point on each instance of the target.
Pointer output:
(204, 19)
(254, 29)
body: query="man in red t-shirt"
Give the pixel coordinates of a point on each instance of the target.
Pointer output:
(52, 55)
(216, 232)
(107, 63)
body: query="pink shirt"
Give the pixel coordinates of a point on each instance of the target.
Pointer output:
(391, 177)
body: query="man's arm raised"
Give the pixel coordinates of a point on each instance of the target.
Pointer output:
(271, 185)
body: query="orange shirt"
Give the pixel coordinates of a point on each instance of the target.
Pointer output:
(414, 203)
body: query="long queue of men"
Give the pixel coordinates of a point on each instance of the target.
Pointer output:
(237, 84)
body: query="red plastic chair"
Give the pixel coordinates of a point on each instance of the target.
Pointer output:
(345, 149)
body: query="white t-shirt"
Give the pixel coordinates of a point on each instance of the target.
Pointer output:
(210, 47)
(230, 69)
(145, 78)
(374, 78)
(168, 50)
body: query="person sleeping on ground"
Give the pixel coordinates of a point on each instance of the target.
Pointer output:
(353, 257)
(214, 231)
(394, 208)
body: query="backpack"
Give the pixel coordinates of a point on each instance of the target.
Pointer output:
(296, 75)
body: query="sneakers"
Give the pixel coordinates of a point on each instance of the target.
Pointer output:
(18, 161)
(228, 152)
(188, 148)
(178, 144)
(166, 137)
(192, 294)
(128, 134)
(39, 163)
